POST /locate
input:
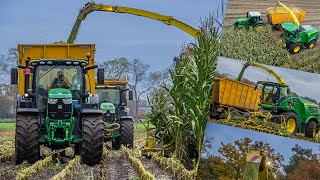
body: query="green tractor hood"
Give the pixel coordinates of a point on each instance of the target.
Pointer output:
(59, 93)
(289, 26)
(241, 20)
(107, 106)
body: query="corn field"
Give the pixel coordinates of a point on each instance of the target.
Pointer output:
(264, 47)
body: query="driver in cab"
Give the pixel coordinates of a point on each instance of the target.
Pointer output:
(59, 81)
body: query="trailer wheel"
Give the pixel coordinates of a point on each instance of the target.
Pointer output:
(92, 140)
(295, 48)
(26, 141)
(126, 131)
(311, 44)
(291, 120)
(311, 129)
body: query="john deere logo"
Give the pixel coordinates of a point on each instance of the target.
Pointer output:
(59, 106)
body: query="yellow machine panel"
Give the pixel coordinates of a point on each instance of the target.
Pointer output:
(55, 52)
(278, 15)
(229, 92)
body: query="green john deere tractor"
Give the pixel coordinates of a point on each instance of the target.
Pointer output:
(113, 103)
(253, 19)
(53, 102)
(295, 37)
(301, 115)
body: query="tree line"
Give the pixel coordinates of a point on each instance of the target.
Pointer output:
(231, 161)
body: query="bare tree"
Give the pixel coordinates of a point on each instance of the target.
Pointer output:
(116, 68)
(138, 71)
(7, 61)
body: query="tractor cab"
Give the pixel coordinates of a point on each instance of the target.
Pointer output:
(273, 93)
(254, 17)
(112, 101)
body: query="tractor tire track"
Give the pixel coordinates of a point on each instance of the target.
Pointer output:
(119, 167)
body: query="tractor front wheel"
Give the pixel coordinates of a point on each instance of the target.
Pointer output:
(92, 140)
(311, 129)
(311, 44)
(295, 48)
(126, 131)
(26, 141)
(291, 120)
(240, 28)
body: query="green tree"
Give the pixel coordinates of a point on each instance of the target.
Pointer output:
(214, 167)
(299, 154)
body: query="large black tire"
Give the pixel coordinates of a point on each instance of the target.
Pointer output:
(311, 44)
(26, 141)
(258, 27)
(311, 128)
(291, 119)
(92, 140)
(295, 48)
(126, 131)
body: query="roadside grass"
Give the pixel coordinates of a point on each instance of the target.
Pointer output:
(7, 120)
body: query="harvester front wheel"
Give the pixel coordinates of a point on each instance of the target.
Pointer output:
(26, 141)
(295, 48)
(311, 44)
(92, 140)
(291, 120)
(311, 129)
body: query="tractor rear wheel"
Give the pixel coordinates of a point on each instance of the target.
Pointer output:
(126, 132)
(295, 48)
(26, 141)
(311, 129)
(291, 120)
(92, 140)
(311, 44)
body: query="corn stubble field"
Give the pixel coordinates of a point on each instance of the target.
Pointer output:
(116, 164)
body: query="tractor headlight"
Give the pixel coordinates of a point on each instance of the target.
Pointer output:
(52, 101)
(67, 101)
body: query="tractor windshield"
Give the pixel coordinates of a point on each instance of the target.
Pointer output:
(109, 95)
(274, 94)
(62, 76)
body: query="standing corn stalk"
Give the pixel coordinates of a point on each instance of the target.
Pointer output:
(181, 111)
(193, 78)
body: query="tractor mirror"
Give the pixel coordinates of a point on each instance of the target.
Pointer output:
(288, 91)
(100, 76)
(130, 95)
(14, 75)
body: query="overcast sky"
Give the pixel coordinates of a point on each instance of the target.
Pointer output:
(303, 83)
(115, 35)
